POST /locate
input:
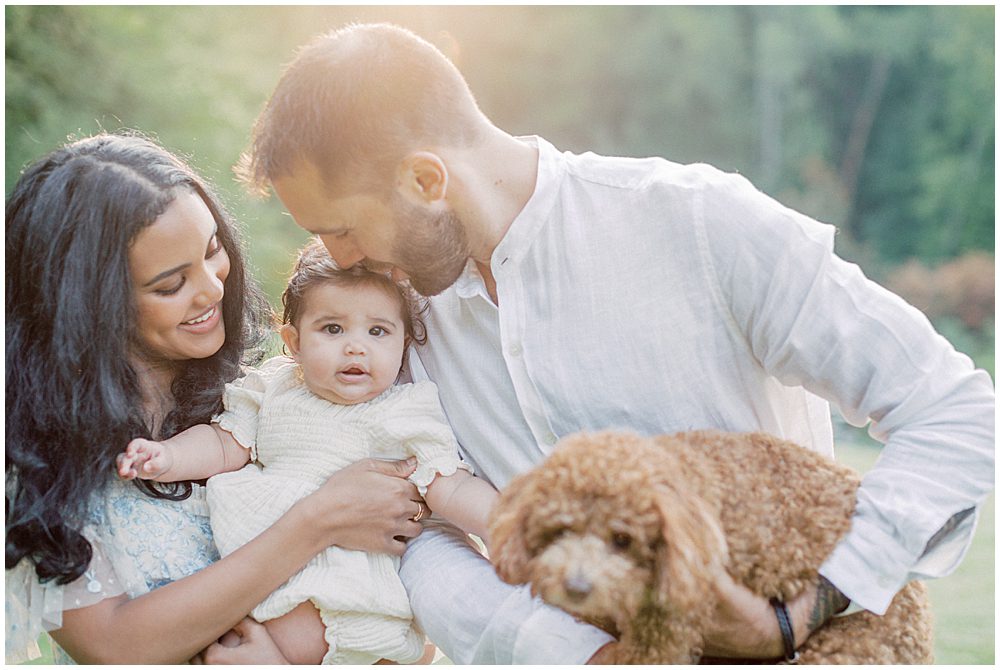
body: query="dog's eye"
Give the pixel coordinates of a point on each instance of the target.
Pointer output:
(621, 540)
(551, 535)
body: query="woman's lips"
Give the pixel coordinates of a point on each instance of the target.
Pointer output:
(205, 321)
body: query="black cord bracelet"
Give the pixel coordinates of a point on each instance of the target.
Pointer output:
(787, 633)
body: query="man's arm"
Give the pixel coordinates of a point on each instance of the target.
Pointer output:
(473, 617)
(813, 320)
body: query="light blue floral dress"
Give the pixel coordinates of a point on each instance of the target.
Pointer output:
(140, 543)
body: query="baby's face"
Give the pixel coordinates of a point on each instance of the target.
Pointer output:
(350, 342)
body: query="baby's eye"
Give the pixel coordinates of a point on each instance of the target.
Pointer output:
(377, 331)
(333, 328)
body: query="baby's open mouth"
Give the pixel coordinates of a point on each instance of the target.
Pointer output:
(353, 370)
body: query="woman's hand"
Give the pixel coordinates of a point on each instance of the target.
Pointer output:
(367, 506)
(248, 643)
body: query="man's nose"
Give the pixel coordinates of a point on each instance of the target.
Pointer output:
(344, 253)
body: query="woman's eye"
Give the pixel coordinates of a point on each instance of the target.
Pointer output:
(172, 290)
(334, 329)
(377, 331)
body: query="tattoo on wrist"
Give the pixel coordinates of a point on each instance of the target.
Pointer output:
(829, 601)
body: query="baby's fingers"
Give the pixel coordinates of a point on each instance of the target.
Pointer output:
(154, 465)
(125, 467)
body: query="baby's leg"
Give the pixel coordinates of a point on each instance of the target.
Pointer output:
(300, 635)
(429, 651)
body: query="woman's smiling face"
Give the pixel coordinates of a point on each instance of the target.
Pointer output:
(178, 268)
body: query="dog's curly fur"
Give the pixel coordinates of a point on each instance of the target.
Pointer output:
(629, 533)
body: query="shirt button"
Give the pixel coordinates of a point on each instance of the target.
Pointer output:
(551, 439)
(515, 350)
(885, 582)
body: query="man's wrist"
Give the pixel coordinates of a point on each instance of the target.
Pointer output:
(829, 601)
(813, 608)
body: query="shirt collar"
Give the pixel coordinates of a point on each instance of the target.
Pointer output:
(518, 238)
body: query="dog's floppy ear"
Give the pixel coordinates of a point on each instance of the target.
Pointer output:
(508, 547)
(693, 551)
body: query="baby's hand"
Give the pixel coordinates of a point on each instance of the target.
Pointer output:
(144, 459)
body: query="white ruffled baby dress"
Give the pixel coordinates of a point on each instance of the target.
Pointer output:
(297, 440)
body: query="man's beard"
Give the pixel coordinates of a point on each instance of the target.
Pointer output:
(432, 249)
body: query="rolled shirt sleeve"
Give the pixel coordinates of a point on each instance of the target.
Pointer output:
(814, 320)
(473, 617)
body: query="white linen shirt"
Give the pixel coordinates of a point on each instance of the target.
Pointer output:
(646, 295)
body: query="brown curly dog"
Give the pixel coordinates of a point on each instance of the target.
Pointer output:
(628, 533)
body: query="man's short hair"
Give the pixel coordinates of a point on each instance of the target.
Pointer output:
(360, 97)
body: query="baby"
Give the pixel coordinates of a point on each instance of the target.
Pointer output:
(289, 425)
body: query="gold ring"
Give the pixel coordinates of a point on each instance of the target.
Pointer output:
(420, 512)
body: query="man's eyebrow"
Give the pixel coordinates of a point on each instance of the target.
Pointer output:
(166, 273)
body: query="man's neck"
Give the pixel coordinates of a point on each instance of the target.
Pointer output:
(503, 172)
(499, 181)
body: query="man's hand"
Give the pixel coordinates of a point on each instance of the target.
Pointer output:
(144, 459)
(605, 655)
(248, 643)
(746, 625)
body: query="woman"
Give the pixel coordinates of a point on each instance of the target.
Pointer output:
(127, 311)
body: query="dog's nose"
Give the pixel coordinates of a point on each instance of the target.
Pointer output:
(576, 587)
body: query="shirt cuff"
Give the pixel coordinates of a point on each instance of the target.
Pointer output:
(870, 566)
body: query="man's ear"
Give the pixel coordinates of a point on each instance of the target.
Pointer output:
(290, 336)
(423, 177)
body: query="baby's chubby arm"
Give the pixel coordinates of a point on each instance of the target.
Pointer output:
(464, 500)
(196, 453)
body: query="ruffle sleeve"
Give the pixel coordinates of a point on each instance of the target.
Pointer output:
(32, 608)
(243, 399)
(411, 422)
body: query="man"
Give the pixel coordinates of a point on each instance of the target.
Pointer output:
(581, 292)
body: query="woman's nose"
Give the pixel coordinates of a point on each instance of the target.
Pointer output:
(213, 287)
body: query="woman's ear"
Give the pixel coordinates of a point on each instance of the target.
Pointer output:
(423, 178)
(290, 336)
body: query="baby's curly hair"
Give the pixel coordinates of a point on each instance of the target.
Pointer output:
(314, 267)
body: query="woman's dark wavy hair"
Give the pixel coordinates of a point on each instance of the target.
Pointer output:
(73, 397)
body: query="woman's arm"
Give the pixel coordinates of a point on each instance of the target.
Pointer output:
(464, 500)
(366, 506)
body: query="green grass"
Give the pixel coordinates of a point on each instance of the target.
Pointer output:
(963, 602)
